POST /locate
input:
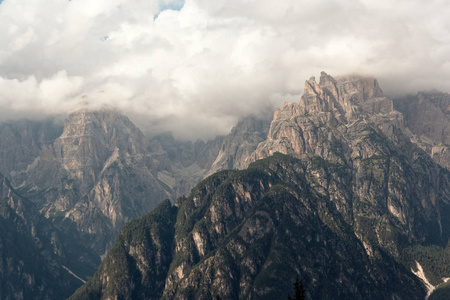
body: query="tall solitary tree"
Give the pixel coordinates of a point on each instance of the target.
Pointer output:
(299, 291)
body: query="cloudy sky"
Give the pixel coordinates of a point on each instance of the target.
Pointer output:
(196, 66)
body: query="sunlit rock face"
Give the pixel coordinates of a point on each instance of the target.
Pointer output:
(325, 112)
(336, 194)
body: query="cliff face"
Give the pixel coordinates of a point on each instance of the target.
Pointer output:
(248, 234)
(341, 215)
(427, 115)
(98, 170)
(349, 123)
(21, 142)
(240, 144)
(84, 180)
(319, 123)
(94, 174)
(36, 259)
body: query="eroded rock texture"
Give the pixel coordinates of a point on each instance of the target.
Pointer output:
(341, 192)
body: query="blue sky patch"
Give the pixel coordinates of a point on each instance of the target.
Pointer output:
(172, 5)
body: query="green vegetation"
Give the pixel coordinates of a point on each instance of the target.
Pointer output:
(442, 292)
(242, 234)
(434, 260)
(299, 291)
(139, 259)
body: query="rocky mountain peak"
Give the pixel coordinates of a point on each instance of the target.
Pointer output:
(90, 138)
(326, 110)
(313, 99)
(112, 128)
(346, 94)
(367, 86)
(351, 178)
(94, 174)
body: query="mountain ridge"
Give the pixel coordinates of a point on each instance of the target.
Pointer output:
(343, 159)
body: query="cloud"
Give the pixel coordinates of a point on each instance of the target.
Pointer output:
(195, 67)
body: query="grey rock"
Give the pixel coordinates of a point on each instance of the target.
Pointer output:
(240, 143)
(427, 116)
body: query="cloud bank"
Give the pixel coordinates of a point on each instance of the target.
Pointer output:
(195, 67)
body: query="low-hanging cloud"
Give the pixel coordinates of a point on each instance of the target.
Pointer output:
(196, 67)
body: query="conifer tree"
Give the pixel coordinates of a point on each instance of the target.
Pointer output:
(299, 291)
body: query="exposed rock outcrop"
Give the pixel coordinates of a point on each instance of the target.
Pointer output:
(340, 214)
(318, 123)
(427, 115)
(21, 142)
(247, 235)
(95, 174)
(240, 144)
(36, 259)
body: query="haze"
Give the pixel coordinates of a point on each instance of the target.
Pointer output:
(196, 67)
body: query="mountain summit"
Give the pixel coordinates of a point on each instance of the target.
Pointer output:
(339, 194)
(94, 174)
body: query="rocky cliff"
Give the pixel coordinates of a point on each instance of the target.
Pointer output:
(37, 261)
(240, 144)
(427, 115)
(21, 142)
(318, 124)
(248, 234)
(94, 174)
(98, 170)
(84, 180)
(349, 215)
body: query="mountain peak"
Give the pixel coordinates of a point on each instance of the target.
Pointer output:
(347, 94)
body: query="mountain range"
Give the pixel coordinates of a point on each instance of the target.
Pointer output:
(348, 190)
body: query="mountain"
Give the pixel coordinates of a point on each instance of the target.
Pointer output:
(247, 235)
(427, 115)
(81, 181)
(37, 261)
(181, 165)
(98, 170)
(95, 175)
(340, 194)
(240, 143)
(327, 110)
(21, 142)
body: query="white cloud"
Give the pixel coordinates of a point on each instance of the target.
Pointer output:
(198, 69)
